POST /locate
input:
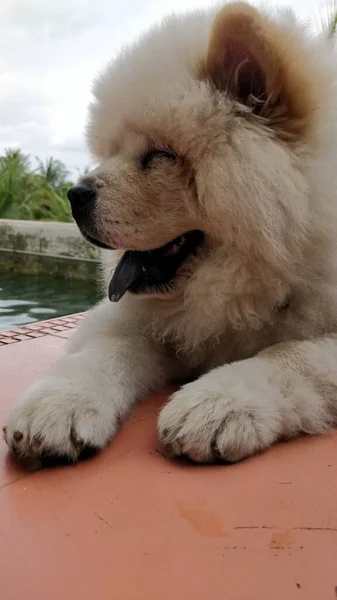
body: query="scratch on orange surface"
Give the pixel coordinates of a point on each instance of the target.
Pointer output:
(201, 518)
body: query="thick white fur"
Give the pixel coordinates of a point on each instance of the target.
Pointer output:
(266, 201)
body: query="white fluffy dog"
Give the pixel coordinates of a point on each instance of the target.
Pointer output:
(216, 139)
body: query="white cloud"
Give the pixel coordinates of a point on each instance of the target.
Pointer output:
(49, 55)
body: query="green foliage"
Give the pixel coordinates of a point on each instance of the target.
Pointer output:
(328, 20)
(332, 22)
(35, 194)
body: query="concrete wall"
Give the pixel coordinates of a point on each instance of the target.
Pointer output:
(46, 247)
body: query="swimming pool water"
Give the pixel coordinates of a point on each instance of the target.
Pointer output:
(30, 298)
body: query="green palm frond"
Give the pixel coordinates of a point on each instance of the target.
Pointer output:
(332, 25)
(39, 194)
(328, 20)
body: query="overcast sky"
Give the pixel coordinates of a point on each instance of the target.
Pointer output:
(50, 50)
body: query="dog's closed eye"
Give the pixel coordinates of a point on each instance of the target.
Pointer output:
(149, 157)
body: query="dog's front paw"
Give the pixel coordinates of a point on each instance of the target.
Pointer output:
(60, 420)
(219, 417)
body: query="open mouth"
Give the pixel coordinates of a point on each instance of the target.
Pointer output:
(153, 270)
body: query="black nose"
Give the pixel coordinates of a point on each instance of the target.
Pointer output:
(81, 194)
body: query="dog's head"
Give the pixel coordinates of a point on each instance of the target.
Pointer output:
(203, 130)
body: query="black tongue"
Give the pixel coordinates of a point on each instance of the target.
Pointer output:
(127, 272)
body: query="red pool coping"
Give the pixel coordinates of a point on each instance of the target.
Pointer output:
(131, 525)
(39, 329)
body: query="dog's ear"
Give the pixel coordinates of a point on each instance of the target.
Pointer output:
(260, 64)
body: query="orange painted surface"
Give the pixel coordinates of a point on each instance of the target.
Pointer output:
(131, 525)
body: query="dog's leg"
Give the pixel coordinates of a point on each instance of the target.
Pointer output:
(242, 408)
(83, 400)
